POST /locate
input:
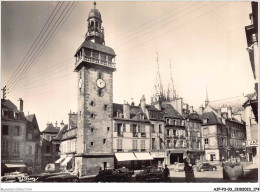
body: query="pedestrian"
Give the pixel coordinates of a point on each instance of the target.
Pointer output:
(223, 161)
(189, 174)
(166, 173)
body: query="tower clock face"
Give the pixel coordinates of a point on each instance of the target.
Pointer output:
(101, 83)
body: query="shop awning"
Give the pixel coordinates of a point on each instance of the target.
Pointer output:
(15, 165)
(59, 160)
(125, 156)
(64, 163)
(143, 156)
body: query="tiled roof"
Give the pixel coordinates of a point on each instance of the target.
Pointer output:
(134, 111)
(50, 129)
(9, 105)
(151, 108)
(59, 135)
(194, 116)
(30, 117)
(212, 118)
(97, 47)
(170, 111)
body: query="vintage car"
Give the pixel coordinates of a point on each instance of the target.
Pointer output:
(150, 173)
(62, 178)
(38, 177)
(125, 170)
(206, 167)
(112, 175)
(179, 167)
(12, 176)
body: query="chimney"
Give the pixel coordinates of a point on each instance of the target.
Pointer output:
(191, 109)
(201, 109)
(21, 104)
(61, 123)
(126, 110)
(56, 124)
(143, 104)
(229, 110)
(224, 115)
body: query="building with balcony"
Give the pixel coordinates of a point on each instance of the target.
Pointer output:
(251, 104)
(195, 150)
(131, 136)
(67, 140)
(174, 134)
(157, 142)
(214, 136)
(19, 139)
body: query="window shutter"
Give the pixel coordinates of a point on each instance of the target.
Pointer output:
(115, 127)
(131, 128)
(124, 129)
(139, 128)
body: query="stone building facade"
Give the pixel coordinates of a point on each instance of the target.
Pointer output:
(19, 140)
(94, 66)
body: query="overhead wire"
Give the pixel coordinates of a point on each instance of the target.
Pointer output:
(32, 61)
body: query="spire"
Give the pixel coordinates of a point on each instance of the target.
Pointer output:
(94, 4)
(207, 99)
(171, 90)
(159, 86)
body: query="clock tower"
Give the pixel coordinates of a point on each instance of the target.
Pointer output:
(95, 66)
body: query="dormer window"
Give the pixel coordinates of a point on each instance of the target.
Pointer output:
(205, 121)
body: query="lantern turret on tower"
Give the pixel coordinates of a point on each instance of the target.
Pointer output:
(95, 31)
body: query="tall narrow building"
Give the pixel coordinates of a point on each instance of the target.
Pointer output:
(95, 66)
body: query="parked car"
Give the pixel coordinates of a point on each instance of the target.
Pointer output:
(125, 170)
(12, 176)
(179, 167)
(206, 167)
(112, 175)
(62, 178)
(38, 177)
(150, 173)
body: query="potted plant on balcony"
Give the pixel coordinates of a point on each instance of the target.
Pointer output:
(232, 170)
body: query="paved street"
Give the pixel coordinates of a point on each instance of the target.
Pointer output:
(201, 177)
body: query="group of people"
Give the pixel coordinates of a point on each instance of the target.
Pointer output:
(189, 174)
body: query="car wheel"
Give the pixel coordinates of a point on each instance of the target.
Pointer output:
(202, 170)
(214, 169)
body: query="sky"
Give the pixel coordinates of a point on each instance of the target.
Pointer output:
(205, 42)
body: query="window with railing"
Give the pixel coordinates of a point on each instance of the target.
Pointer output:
(5, 129)
(152, 128)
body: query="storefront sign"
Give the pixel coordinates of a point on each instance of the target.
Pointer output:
(252, 143)
(12, 161)
(157, 154)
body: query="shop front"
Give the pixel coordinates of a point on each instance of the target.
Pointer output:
(13, 165)
(133, 160)
(159, 158)
(174, 156)
(252, 151)
(195, 156)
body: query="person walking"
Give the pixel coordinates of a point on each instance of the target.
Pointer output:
(189, 174)
(166, 173)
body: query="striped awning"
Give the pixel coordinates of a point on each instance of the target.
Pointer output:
(64, 163)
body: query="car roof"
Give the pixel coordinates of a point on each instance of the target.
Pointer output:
(61, 176)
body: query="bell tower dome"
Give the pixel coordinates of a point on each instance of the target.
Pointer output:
(95, 31)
